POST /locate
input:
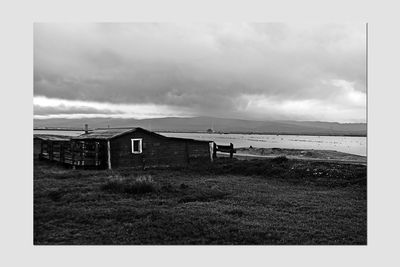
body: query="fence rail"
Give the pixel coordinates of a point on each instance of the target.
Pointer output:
(67, 152)
(224, 149)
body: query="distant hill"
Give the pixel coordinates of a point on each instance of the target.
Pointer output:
(201, 124)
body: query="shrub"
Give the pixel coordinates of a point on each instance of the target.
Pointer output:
(141, 185)
(183, 186)
(309, 154)
(280, 159)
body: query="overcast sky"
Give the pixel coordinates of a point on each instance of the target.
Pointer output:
(269, 71)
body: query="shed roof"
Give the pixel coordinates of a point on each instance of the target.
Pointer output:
(52, 137)
(106, 134)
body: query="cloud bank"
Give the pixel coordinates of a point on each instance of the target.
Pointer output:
(250, 71)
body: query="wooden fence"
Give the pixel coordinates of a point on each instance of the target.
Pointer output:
(224, 149)
(73, 153)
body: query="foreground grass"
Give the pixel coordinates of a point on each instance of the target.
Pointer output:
(239, 202)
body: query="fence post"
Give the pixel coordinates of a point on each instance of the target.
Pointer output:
(82, 147)
(187, 153)
(41, 149)
(51, 151)
(211, 147)
(96, 156)
(61, 152)
(108, 154)
(72, 154)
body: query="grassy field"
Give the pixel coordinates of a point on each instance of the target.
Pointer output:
(271, 201)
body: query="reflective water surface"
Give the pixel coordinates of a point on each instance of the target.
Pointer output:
(347, 144)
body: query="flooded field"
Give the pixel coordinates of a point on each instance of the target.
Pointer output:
(68, 133)
(346, 144)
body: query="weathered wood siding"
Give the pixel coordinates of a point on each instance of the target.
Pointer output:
(199, 151)
(157, 151)
(37, 143)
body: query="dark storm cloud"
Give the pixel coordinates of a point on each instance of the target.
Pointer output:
(218, 70)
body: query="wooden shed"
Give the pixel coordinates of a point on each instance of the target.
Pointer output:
(137, 148)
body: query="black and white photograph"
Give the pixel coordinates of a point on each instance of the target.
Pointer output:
(200, 133)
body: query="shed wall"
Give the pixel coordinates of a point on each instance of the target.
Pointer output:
(199, 151)
(157, 151)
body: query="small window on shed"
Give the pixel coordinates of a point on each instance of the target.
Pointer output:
(136, 146)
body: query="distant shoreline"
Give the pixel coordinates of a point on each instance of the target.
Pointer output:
(270, 133)
(299, 154)
(222, 133)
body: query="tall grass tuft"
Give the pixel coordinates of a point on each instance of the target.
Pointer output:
(141, 185)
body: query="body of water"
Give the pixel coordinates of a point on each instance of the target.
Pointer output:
(67, 133)
(347, 144)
